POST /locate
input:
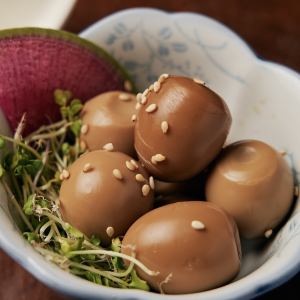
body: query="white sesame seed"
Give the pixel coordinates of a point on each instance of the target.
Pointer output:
(164, 126)
(146, 92)
(140, 178)
(117, 173)
(127, 85)
(82, 145)
(144, 99)
(151, 87)
(138, 106)
(139, 97)
(151, 182)
(84, 128)
(296, 191)
(129, 165)
(134, 163)
(133, 118)
(151, 108)
(65, 174)
(156, 86)
(153, 160)
(199, 81)
(124, 97)
(61, 177)
(110, 231)
(163, 77)
(268, 233)
(108, 147)
(87, 168)
(198, 225)
(145, 189)
(161, 80)
(159, 157)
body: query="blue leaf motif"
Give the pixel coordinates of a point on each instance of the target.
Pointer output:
(163, 51)
(120, 28)
(111, 39)
(179, 47)
(130, 65)
(127, 45)
(165, 33)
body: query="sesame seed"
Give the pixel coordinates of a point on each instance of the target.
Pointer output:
(199, 81)
(84, 129)
(140, 178)
(283, 153)
(65, 174)
(151, 87)
(124, 97)
(117, 173)
(268, 233)
(151, 182)
(164, 126)
(127, 85)
(138, 106)
(144, 99)
(151, 108)
(110, 231)
(129, 165)
(133, 118)
(61, 177)
(163, 77)
(146, 92)
(87, 168)
(198, 225)
(153, 160)
(139, 97)
(145, 189)
(82, 145)
(134, 163)
(157, 158)
(108, 147)
(296, 191)
(156, 86)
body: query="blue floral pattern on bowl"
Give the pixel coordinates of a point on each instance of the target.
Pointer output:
(163, 48)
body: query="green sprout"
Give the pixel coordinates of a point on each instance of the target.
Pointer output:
(30, 174)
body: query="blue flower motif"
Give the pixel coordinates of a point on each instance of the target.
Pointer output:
(163, 51)
(130, 65)
(179, 47)
(127, 45)
(111, 39)
(165, 33)
(120, 28)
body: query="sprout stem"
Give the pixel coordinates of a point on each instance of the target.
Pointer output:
(49, 135)
(99, 272)
(116, 254)
(21, 144)
(17, 206)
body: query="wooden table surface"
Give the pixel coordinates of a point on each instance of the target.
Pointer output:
(272, 29)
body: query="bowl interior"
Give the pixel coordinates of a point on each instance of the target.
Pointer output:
(263, 99)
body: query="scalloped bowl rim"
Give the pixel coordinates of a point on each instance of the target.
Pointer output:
(71, 285)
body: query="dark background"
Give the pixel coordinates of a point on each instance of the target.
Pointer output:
(270, 27)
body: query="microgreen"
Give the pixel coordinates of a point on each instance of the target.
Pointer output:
(32, 170)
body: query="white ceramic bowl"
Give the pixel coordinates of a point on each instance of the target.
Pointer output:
(264, 100)
(34, 13)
